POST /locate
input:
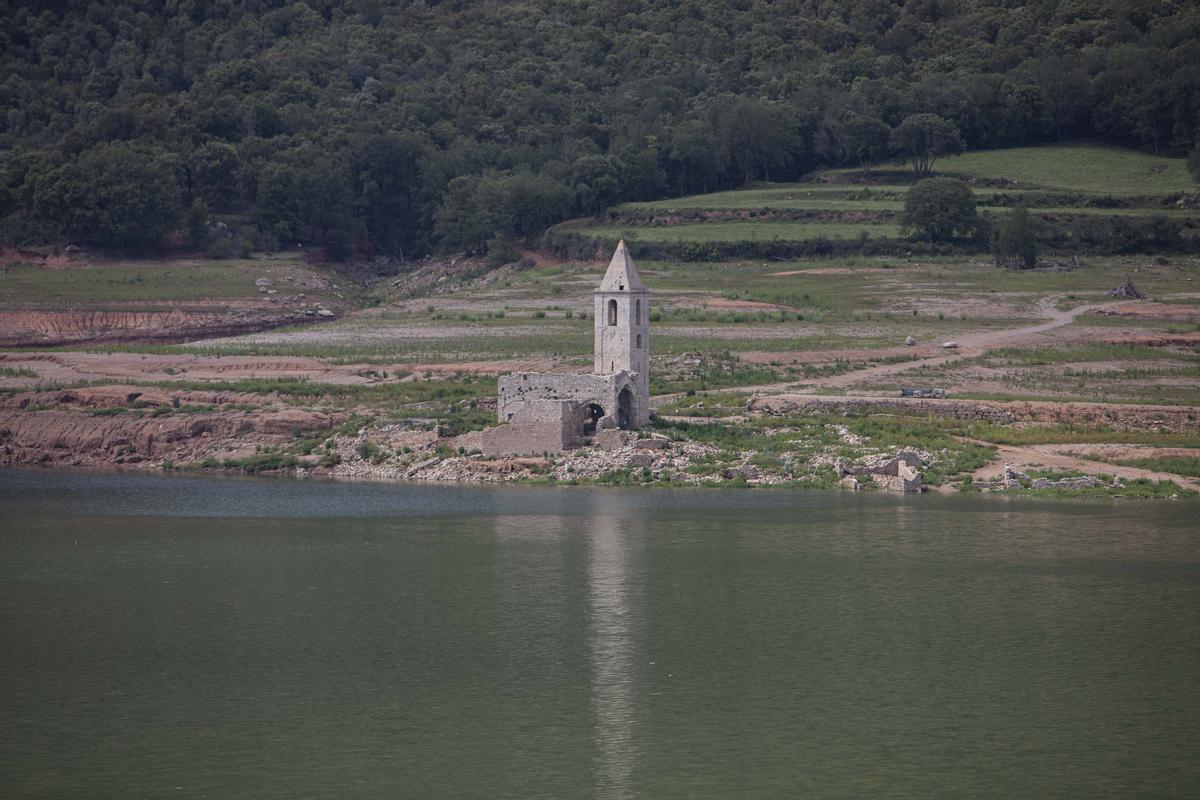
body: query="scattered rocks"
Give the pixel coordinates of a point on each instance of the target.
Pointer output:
(745, 471)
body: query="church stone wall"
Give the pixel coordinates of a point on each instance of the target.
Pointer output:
(537, 427)
(547, 412)
(520, 389)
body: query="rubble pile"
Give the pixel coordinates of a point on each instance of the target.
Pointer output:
(1127, 290)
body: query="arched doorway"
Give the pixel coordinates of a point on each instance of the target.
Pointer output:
(625, 409)
(592, 415)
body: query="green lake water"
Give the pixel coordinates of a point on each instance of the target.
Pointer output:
(222, 638)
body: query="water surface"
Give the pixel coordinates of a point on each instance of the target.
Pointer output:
(225, 638)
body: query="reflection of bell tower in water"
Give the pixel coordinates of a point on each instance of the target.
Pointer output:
(623, 324)
(614, 601)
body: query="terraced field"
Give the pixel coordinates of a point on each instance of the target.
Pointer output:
(1072, 191)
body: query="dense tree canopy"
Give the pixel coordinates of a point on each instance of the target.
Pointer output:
(348, 123)
(940, 209)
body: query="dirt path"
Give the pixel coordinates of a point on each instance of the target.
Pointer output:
(969, 346)
(1068, 457)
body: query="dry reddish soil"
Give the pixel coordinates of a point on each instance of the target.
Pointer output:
(832, 271)
(726, 304)
(1149, 309)
(75, 367)
(67, 430)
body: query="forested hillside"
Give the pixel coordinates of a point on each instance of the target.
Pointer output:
(377, 127)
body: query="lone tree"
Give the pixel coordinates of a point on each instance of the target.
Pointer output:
(939, 209)
(1193, 162)
(923, 138)
(1015, 245)
(862, 138)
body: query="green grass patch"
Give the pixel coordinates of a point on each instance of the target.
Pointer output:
(1071, 434)
(741, 231)
(154, 281)
(1188, 466)
(1074, 354)
(1078, 167)
(17, 372)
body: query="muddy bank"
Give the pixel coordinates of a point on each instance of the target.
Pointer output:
(124, 425)
(30, 328)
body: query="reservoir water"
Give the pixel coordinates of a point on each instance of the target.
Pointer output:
(229, 638)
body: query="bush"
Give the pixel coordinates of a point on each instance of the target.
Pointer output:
(940, 209)
(1015, 245)
(500, 250)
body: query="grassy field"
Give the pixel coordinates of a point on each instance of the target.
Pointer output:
(722, 231)
(158, 281)
(1077, 167)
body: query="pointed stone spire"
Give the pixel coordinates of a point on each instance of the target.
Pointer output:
(621, 276)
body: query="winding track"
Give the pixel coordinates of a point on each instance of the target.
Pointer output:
(969, 345)
(1058, 456)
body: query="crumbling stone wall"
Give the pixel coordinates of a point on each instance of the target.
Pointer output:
(520, 389)
(537, 427)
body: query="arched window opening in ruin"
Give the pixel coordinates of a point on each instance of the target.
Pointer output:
(592, 415)
(625, 409)
(612, 312)
(637, 312)
(639, 341)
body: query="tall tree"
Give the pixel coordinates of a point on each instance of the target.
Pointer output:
(923, 138)
(861, 138)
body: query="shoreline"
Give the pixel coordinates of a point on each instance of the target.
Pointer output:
(777, 489)
(796, 441)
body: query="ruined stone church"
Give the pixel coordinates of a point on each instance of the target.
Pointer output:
(549, 412)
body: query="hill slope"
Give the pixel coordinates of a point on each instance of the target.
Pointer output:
(392, 127)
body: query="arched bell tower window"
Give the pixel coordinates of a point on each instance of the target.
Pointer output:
(637, 314)
(639, 341)
(612, 312)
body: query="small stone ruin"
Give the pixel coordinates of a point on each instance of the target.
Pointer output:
(897, 474)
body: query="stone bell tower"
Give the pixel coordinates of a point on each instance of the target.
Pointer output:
(623, 324)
